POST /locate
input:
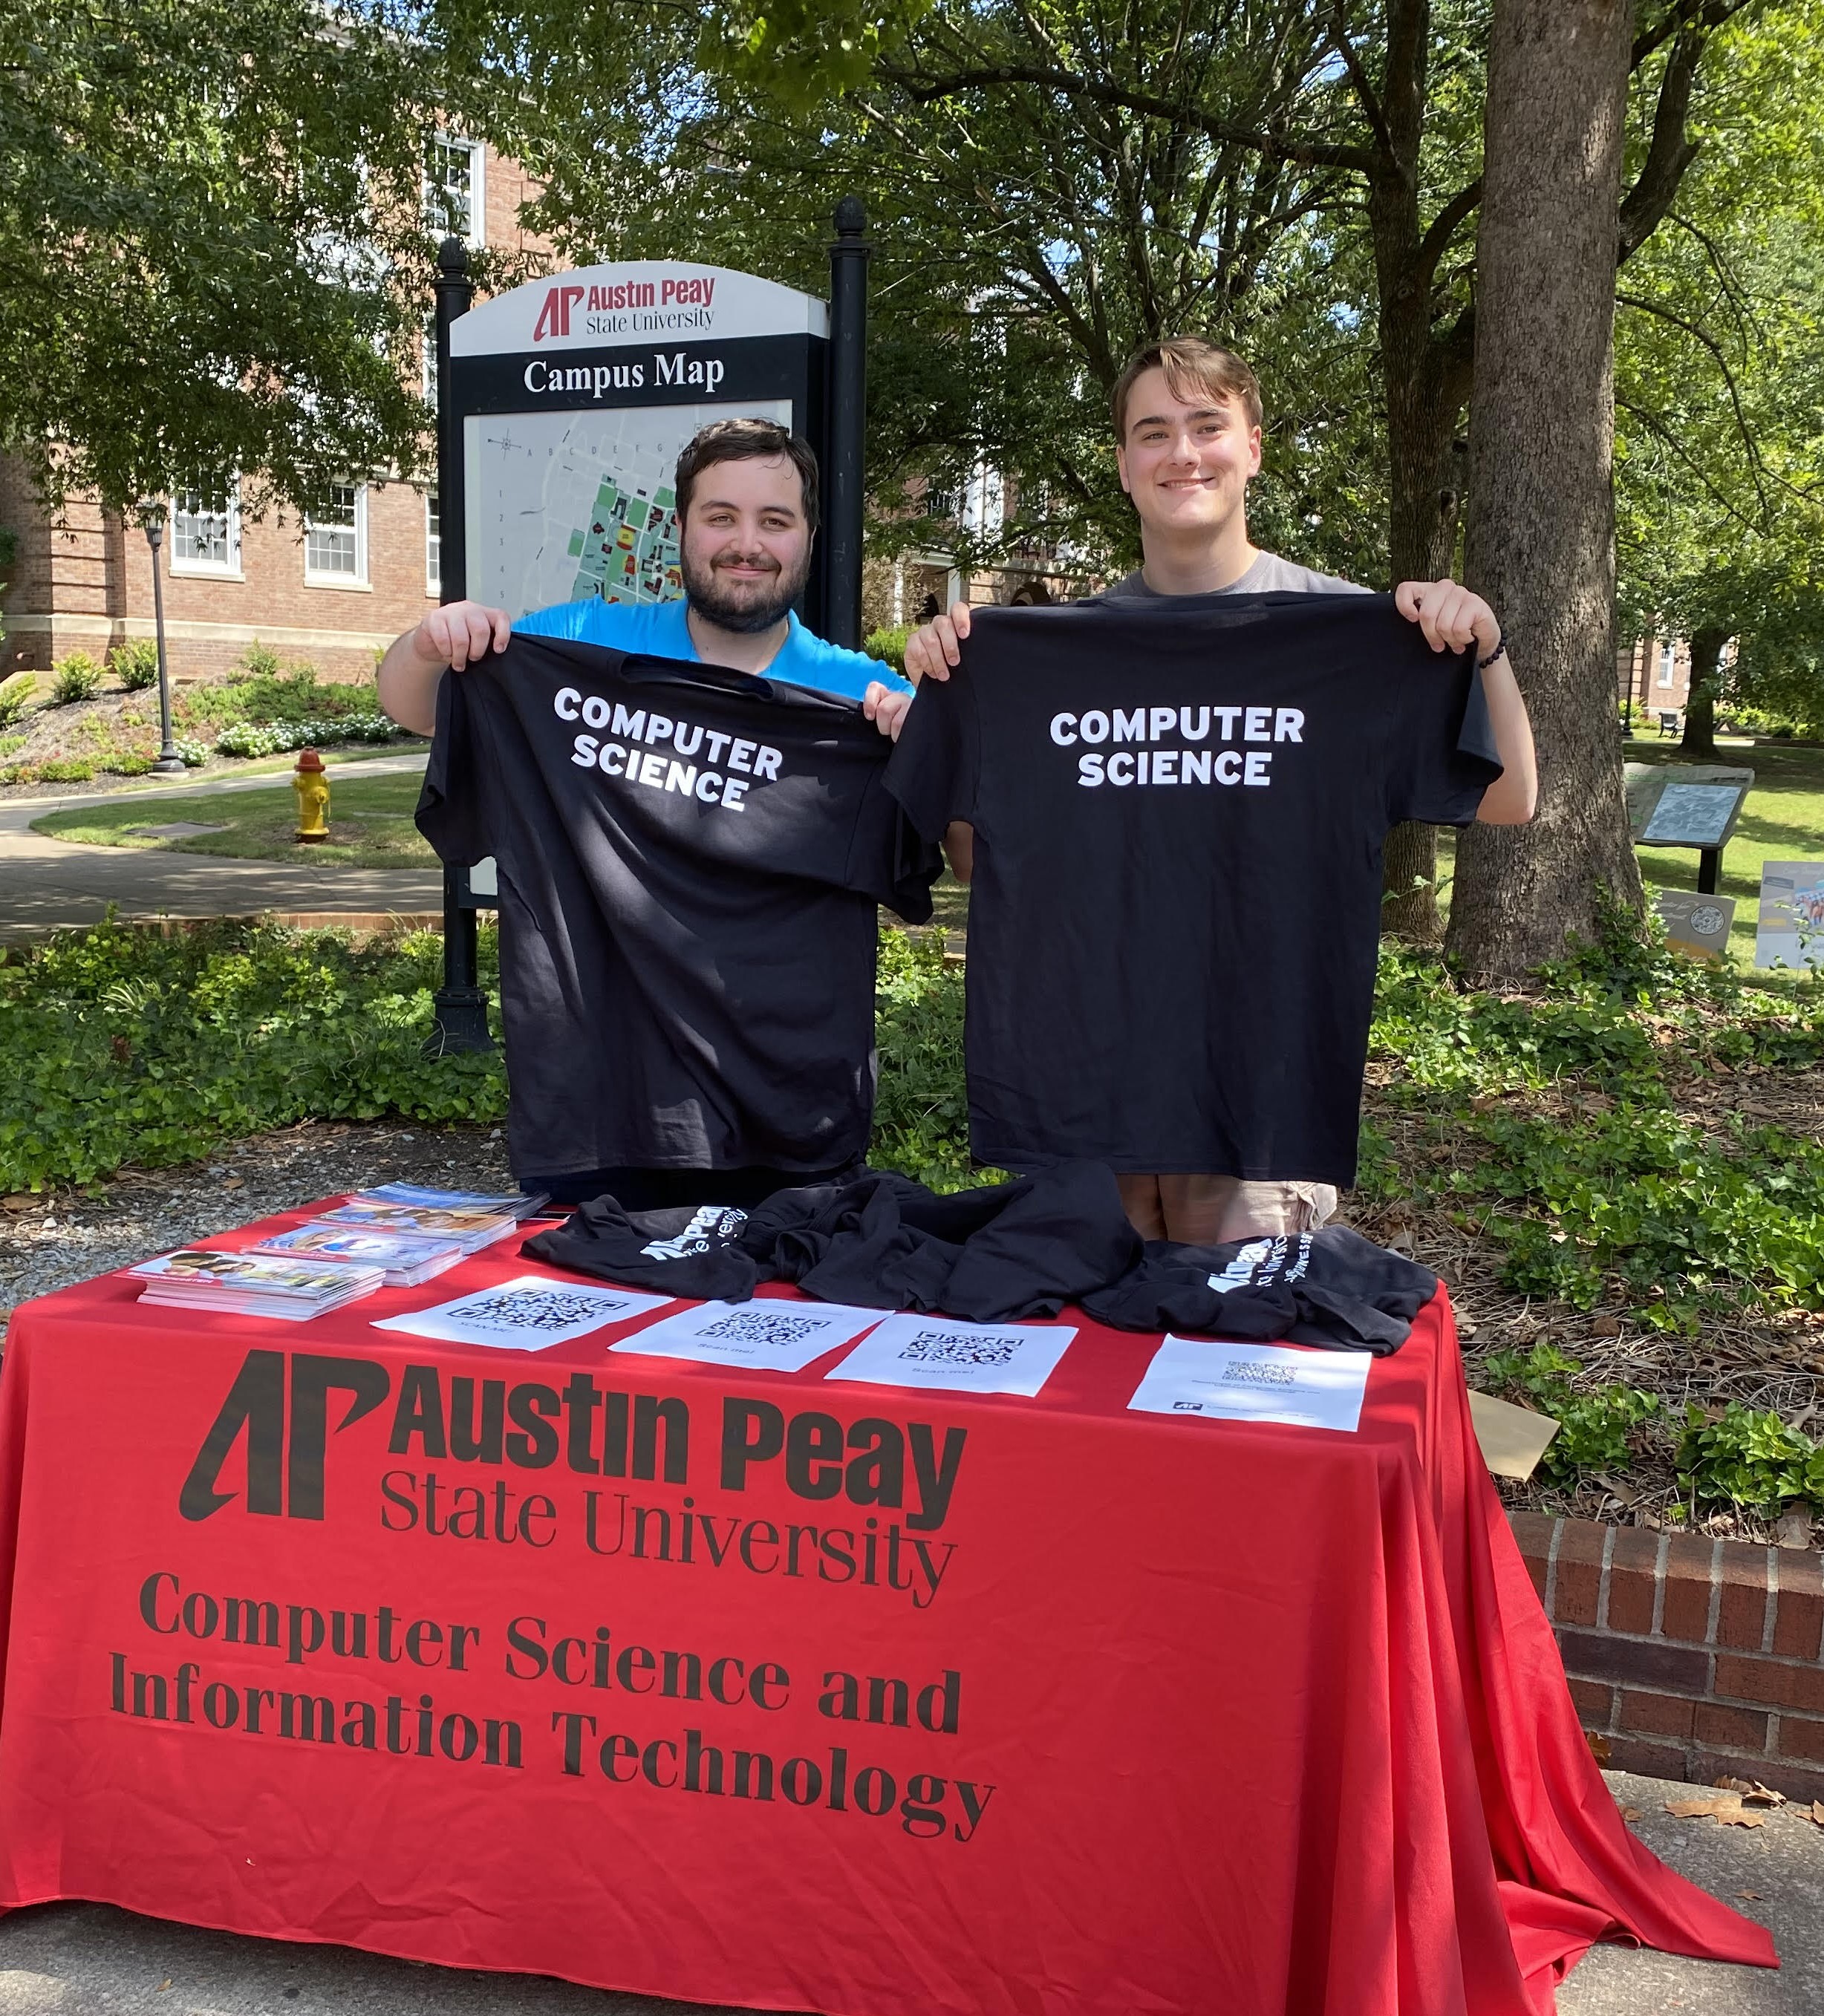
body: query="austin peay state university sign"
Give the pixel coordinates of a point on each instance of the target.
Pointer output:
(574, 394)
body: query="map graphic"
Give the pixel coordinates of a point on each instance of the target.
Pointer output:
(565, 505)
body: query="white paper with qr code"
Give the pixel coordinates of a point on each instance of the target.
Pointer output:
(772, 1335)
(1254, 1382)
(962, 1357)
(526, 1313)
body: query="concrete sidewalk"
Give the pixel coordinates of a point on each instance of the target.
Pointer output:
(91, 1959)
(45, 883)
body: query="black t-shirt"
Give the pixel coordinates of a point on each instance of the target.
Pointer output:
(690, 860)
(1179, 809)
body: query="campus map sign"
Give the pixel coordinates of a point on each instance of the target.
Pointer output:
(575, 394)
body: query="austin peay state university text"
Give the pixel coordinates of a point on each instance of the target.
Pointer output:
(279, 1403)
(246, 1664)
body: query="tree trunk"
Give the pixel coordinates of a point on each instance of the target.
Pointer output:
(1541, 525)
(1707, 652)
(1425, 384)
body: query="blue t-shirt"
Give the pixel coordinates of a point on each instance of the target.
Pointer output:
(660, 630)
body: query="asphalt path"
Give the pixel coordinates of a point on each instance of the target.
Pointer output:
(45, 883)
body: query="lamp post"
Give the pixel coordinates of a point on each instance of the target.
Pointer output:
(151, 517)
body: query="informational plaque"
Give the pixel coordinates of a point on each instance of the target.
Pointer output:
(1698, 925)
(1685, 804)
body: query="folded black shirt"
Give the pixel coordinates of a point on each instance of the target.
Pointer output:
(680, 1251)
(880, 1241)
(1330, 1287)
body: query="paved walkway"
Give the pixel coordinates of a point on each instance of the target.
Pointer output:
(89, 1960)
(45, 883)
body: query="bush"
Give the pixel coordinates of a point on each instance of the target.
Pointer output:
(277, 738)
(888, 646)
(191, 754)
(135, 664)
(15, 696)
(75, 678)
(921, 1109)
(18, 773)
(1750, 1460)
(130, 763)
(67, 770)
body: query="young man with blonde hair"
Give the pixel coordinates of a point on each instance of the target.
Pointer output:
(1187, 418)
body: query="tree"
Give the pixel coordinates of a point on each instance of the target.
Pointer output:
(211, 254)
(1541, 530)
(1720, 390)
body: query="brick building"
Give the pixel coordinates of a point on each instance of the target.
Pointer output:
(1655, 673)
(333, 591)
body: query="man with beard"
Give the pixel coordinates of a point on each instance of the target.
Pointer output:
(747, 504)
(746, 492)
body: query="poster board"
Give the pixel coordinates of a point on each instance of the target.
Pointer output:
(1697, 925)
(1790, 931)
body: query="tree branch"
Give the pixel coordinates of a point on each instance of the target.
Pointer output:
(1442, 227)
(1669, 153)
(1703, 335)
(1304, 153)
(1364, 89)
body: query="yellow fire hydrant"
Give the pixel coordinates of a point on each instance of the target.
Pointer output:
(312, 788)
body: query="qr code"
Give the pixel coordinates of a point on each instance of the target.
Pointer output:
(535, 1309)
(1248, 1372)
(941, 1347)
(755, 1326)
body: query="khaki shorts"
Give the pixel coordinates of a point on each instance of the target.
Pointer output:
(1209, 1210)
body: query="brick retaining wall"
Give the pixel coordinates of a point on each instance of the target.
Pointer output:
(1693, 1658)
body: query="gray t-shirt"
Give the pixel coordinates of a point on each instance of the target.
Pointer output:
(1268, 575)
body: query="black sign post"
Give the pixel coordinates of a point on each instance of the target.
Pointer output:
(847, 433)
(461, 1006)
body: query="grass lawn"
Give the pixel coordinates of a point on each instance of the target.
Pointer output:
(370, 824)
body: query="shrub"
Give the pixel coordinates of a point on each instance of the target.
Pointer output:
(15, 696)
(192, 755)
(75, 678)
(1749, 1459)
(258, 662)
(67, 770)
(135, 664)
(129, 763)
(19, 773)
(10, 745)
(276, 738)
(888, 646)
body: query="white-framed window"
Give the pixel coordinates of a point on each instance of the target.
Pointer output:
(455, 191)
(335, 540)
(433, 545)
(1668, 661)
(205, 532)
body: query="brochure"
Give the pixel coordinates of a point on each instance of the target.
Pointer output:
(526, 1313)
(252, 1283)
(406, 1257)
(959, 1357)
(770, 1335)
(1255, 1382)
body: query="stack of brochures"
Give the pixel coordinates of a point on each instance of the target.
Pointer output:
(253, 1284)
(404, 1257)
(461, 1218)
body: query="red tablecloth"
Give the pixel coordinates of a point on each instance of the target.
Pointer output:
(1153, 1714)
